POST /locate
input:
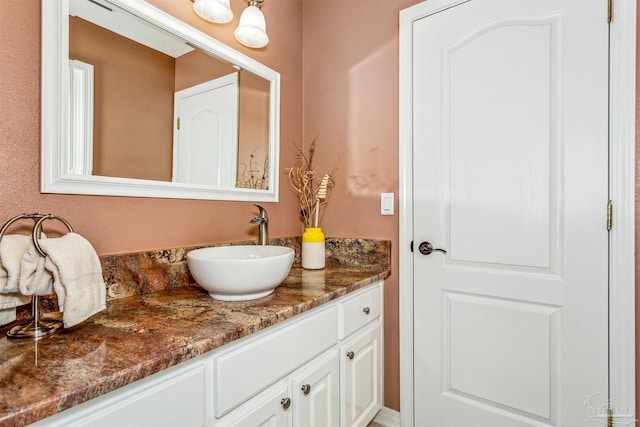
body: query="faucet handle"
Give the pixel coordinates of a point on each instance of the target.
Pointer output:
(263, 211)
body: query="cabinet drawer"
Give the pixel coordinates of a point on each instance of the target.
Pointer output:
(151, 401)
(243, 372)
(357, 311)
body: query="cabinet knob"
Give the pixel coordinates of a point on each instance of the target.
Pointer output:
(350, 354)
(286, 402)
(306, 388)
(366, 310)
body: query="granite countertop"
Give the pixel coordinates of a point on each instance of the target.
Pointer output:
(139, 335)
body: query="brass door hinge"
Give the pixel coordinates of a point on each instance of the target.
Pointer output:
(178, 123)
(609, 215)
(609, 10)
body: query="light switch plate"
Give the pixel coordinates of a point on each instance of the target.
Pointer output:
(386, 203)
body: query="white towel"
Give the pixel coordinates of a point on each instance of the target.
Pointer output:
(7, 315)
(77, 277)
(12, 248)
(34, 278)
(8, 304)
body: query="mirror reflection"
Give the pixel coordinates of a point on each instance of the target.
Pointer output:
(147, 105)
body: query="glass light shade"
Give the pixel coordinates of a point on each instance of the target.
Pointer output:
(252, 29)
(216, 11)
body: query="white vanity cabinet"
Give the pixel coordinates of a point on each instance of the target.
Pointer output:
(320, 368)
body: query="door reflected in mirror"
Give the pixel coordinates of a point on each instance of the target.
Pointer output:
(147, 105)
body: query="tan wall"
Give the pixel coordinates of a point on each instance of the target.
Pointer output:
(351, 103)
(253, 141)
(197, 67)
(133, 91)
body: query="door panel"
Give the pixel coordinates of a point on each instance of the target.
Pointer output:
(510, 140)
(480, 92)
(503, 357)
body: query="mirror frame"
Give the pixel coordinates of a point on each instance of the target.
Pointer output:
(55, 177)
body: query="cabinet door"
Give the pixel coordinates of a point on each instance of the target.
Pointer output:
(316, 392)
(268, 409)
(361, 377)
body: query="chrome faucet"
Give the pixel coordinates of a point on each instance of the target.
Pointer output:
(262, 221)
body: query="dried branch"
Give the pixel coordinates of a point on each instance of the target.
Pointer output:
(253, 176)
(301, 179)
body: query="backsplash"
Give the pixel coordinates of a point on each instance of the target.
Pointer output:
(144, 272)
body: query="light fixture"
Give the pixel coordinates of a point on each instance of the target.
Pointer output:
(252, 29)
(216, 11)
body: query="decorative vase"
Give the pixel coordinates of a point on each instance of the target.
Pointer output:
(313, 256)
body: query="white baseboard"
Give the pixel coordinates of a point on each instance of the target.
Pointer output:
(388, 417)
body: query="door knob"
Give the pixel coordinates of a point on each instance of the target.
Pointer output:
(426, 248)
(306, 388)
(350, 355)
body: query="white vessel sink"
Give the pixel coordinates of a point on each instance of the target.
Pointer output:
(239, 273)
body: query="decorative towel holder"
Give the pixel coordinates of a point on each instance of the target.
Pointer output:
(38, 327)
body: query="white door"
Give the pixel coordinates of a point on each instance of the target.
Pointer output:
(509, 124)
(205, 147)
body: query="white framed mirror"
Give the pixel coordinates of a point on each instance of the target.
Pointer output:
(215, 135)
